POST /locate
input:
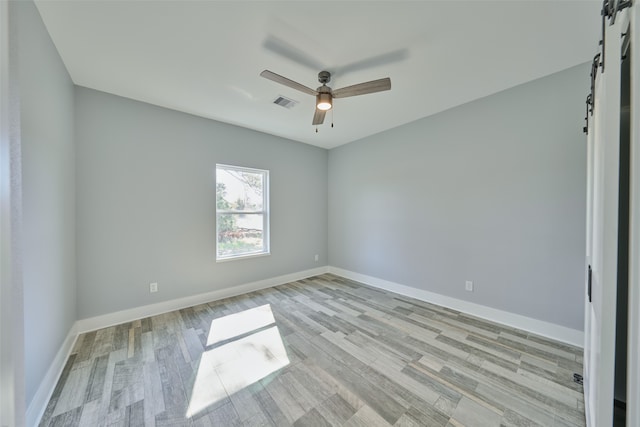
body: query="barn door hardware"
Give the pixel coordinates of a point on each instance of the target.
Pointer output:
(626, 41)
(589, 103)
(589, 280)
(612, 7)
(577, 378)
(591, 96)
(603, 12)
(594, 74)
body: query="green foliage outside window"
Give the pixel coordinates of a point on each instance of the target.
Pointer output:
(226, 223)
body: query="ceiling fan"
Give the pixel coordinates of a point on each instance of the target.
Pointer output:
(324, 94)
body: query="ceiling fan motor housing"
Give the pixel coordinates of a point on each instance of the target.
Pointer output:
(324, 77)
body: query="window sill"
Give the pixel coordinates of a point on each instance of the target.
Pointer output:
(239, 257)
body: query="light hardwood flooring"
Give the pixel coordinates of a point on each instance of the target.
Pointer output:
(323, 351)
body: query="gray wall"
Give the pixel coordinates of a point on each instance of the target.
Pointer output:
(146, 203)
(48, 195)
(492, 191)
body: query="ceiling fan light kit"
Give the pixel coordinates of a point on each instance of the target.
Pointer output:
(324, 94)
(323, 101)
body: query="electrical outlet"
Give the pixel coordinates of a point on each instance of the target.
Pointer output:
(468, 286)
(316, 258)
(153, 287)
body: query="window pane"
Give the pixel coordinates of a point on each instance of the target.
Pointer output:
(241, 211)
(240, 234)
(239, 190)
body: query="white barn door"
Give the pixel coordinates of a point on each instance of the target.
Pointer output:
(602, 228)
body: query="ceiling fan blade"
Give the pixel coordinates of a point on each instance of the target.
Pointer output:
(363, 88)
(318, 117)
(374, 61)
(287, 82)
(292, 53)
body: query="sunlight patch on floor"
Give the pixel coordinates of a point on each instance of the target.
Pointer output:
(230, 367)
(237, 324)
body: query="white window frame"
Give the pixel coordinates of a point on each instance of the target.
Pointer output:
(265, 214)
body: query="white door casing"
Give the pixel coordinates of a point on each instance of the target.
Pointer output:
(7, 407)
(633, 355)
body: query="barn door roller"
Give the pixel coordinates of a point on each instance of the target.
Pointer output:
(610, 9)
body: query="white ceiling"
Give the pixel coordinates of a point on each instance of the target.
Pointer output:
(205, 57)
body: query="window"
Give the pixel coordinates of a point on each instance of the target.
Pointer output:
(242, 212)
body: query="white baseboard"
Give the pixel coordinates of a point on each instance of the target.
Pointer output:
(47, 385)
(539, 327)
(111, 319)
(45, 390)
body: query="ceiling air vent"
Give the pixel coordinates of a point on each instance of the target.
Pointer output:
(285, 102)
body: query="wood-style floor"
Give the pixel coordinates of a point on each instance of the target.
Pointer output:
(324, 351)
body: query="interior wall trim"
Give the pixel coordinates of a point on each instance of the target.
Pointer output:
(38, 404)
(45, 390)
(539, 327)
(106, 320)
